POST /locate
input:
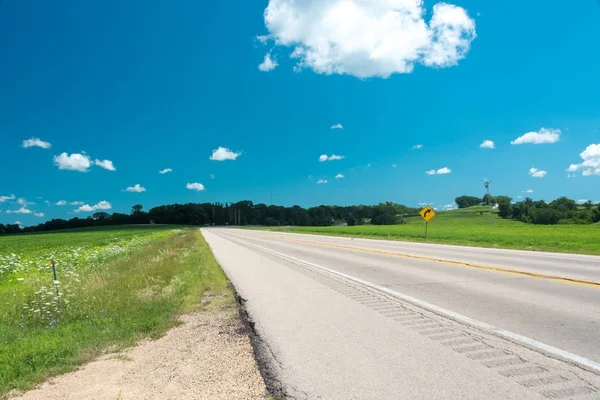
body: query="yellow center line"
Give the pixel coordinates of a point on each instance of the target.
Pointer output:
(537, 275)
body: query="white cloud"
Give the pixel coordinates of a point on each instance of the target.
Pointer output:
(24, 202)
(22, 210)
(321, 181)
(195, 186)
(441, 171)
(591, 161)
(106, 164)
(19, 223)
(527, 191)
(223, 154)
(165, 171)
(369, 38)
(47, 202)
(488, 144)
(339, 176)
(263, 39)
(333, 157)
(417, 146)
(268, 64)
(103, 205)
(36, 142)
(571, 175)
(582, 201)
(73, 162)
(61, 203)
(39, 214)
(76, 203)
(137, 189)
(423, 204)
(451, 206)
(543, 136)
(5, 198)
(337, 126)
(212, 176)
(85, 208)
(537, 173)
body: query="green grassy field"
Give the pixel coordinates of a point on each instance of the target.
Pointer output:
(117, 285)
(470, 227)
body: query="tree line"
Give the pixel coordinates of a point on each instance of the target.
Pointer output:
(240, 213)
(560, 211)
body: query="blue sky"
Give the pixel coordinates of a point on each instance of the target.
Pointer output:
(150, 85)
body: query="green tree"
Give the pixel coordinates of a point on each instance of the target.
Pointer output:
(137, 209)
(467, 201)
(504, 209)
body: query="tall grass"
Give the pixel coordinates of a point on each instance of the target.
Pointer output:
(136, 293)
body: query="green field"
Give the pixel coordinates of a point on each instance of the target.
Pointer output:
(116, 285)
(470, 227)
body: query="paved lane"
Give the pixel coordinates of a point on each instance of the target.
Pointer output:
(553, 299)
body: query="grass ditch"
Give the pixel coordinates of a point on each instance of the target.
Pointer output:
(112, 306)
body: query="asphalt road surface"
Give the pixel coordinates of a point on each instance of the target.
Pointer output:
(342, 318)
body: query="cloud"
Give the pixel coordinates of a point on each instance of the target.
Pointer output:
(165, 171)
(137, 189)
(5, 198)
(36, 142)
(527, 191)
(268, 64)
(333, 157)
(61, 203)
(339, 176)
(337, 126)
(582, 201)
(76, 203)
(451, 206)
(85, 208)
(441, 171)
(543, 136)
(369, 38)
(106, 164)
(537, 173)
(39, 214)
(488, 144)
(22, 210)
(591, 161)
(423, 204)
(73, 162)
(19, 223)
(417, 146)
(103, 205)
(212, 176)
(195, 186)
(47, 202)
(263, 39)
(24, 202)
(321, 181)
(223, 154)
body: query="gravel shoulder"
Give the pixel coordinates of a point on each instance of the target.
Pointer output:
(208, 356)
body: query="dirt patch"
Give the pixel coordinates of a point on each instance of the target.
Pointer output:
(209, 356)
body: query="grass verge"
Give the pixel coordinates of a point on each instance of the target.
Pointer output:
(470, 227)
(112, 306)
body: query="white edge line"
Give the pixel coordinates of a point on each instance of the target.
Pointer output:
(514, 337)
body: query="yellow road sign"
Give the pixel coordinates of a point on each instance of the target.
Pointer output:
(427, 213)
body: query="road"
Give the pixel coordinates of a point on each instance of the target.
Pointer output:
(343, 318)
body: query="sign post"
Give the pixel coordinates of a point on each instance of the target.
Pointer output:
(55, 278)
(427, 213)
